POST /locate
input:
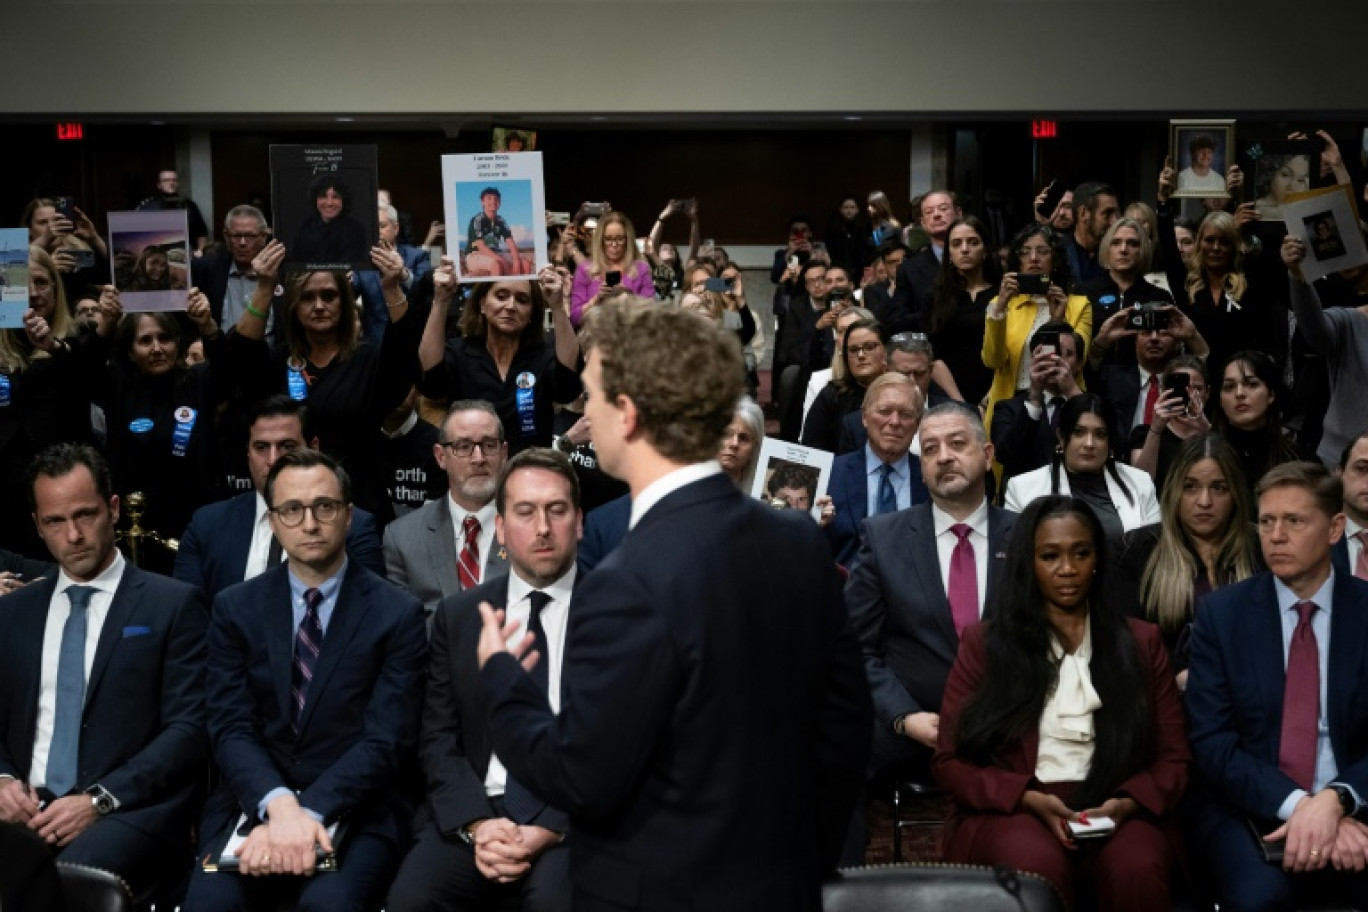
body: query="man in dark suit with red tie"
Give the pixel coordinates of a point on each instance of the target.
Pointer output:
(716, 721)
(483, 839)
(314, 690)
(1276, 715)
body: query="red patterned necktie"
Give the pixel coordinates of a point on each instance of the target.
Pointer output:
(468, 564)
(1301, 702)
(1361, 564)
(963, 588)
(1151, 397)
(308, 640)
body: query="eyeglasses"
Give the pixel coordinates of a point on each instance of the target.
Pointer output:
(1027, 252)
(327, 296)
(245, 237)
(324, 510)
(615, 239)
(859, 351)
(465, 448)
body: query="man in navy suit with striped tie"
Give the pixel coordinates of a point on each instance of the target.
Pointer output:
(314, 689)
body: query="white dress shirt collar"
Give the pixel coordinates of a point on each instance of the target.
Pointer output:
(107, 581)
(667, 484)
(978, 520)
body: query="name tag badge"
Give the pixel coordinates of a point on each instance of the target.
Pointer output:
(5, 390)
(140, 425)
(527, 400)
(296, 384)
(185, 424)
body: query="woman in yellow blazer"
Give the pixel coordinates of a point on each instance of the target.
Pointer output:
(1036, 255)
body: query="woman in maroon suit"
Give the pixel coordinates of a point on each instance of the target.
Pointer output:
(1079, 719)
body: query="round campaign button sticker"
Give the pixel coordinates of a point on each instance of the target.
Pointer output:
(185, 414)
(1107, 300)
(526, 380)
(140, 425)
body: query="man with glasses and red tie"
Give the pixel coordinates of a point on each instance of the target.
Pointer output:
(314, 685)
(1278, 724)
(447, 545)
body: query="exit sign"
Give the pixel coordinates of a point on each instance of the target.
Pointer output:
(1044, 129)
(70, 131)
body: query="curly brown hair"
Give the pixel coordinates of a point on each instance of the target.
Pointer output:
(683, 372)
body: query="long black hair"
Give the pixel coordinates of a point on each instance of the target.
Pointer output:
(1059, 255)
(1022, 673)
(950, 283)
(1069, 413)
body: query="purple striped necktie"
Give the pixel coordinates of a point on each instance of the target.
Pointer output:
(308, 640)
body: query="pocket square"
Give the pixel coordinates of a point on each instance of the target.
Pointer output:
(136, 632)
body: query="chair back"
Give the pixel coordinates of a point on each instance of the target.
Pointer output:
(944, 887)
(89, 889)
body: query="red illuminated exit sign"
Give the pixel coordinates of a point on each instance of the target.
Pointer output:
(1044, 129)
(70, 131)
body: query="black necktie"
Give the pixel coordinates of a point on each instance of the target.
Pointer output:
(521, 804)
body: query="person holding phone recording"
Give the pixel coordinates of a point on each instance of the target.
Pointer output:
(1075, 717)
(613, 260)
(1031, 295)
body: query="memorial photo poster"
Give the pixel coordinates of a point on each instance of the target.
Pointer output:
(495, 215)
(509, 139)
(14, 277)
(150, 259)
(1276, 169)
(792, 475)
(1326, 222)
(1201, 152)
(323, 198)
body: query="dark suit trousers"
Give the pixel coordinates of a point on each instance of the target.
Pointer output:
(1246, 882)
(367, 864)
(439, 875)
(138, 858)
(28, 874)
(1126, 872)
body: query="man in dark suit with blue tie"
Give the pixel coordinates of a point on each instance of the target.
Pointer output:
(882, 476)
(716, 721)
(1276, 715)
(918, 582)
(230, 541)
(314, 688)
(102, 742)
(482, 837)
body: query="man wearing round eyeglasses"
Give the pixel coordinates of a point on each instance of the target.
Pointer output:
(315, 675)
(447, 545)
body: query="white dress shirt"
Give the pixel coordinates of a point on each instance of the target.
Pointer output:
(485, 540)
(553, 618)
(947, 540)
(1066, 724)
(667, 484)
(59, 609)
(260, 548)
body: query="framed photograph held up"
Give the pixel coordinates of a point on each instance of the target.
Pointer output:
(323, 199)
(791, 475)
(1201, 151)
(150, 253)
(1326, 222)
(495, 215)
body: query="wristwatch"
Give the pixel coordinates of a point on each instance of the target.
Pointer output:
(102, 800)
(565, 445)
(900, 725)
(467, 833)
(1346, 798)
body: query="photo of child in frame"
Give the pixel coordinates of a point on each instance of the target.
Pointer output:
(511, 140)
(1202, 162)
(1277, 169)
(498, 236)
(792, 484)
(330, 234)
(1323, 231)
(150, 260)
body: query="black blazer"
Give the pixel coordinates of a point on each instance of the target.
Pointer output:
(360, 724)
(912, 288)
(716, 720)
(1120, 385)
(901, 613)
(1021, 443)
(142, 734)
(454, 747)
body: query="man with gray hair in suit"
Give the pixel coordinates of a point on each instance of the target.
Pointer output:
(447, 545)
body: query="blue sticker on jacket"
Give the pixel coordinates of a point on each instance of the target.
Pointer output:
(140, 425)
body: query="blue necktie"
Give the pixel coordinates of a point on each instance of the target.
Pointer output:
(522, 805)
(308, 641)
(64, 752)
(888, 498)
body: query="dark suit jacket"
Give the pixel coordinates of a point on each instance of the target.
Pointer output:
(455, 743)
(142, 735)
(1021, 443)
(1120, 385)
(849, 492)
(604, 530)
(912, 289)
(716, 722)
(210, 275)
(213, 551)
(900, 611)
(1235, 693)
(984, 793)
(1339, 556)
(360, 723)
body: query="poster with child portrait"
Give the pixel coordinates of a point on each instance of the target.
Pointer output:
(1201, 150)
(1326, 222)
(495, 215)
(14, 277)
(1277, 169)
(150, 253)
(790, 476)
(507, 139)
(323, 199)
